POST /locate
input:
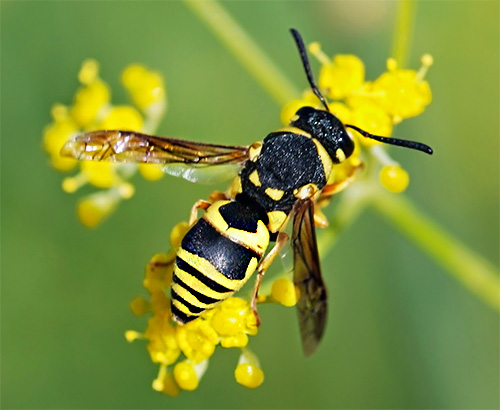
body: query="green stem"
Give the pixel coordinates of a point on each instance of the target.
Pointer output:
(403, 31)
(470, 269)
(350, 205)
(245, 49)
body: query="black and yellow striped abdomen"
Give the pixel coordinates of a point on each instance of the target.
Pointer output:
(217, 257)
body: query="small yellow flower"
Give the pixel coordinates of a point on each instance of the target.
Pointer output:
(89, 101)
(122, 117)
(56, 134)
(163, 346)
(89, 71)
(178, 233)
(233, 319)
(165, 382)
(146, 87)
(140, 306)
(308, 100)
(342, 76)
(93, 209)
(284, 292)
(394, 178)
(248, 372)
(158, 274)
(249, 375)
(92, 109)
(197, 340)
(402, 93)
(373, 119)
(100, 174)
(188, 375)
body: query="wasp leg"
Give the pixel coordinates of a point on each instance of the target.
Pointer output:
(281, 240)
(200, 204)
(217, 196)
(327, 193)
(203, 204)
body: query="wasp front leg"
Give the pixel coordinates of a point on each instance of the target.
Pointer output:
(281, 240)
(328, 192)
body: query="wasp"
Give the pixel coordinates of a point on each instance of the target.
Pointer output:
(276, 180)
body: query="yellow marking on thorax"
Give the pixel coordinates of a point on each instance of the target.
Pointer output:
(254, 151)
(306, 191)
(276, 220)
(274, 194)
(254, 178)
(235, 187)
(207, 269)
(340, 155)
(256, 241)
(294, 130)
(326, 160)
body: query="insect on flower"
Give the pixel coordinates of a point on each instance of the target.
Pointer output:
(277, 182)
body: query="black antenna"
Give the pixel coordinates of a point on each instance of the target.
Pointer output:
(394, 141)
(307, 67)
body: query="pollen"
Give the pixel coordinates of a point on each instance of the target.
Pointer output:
(284, 292)
(394, 178)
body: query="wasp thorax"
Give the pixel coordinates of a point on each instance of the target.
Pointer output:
(327, 129)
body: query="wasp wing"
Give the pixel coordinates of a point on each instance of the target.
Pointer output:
(311, 306)
(129, 146)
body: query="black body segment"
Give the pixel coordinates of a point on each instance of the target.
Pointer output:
(287, 162)
(216, 260)
(227, 257)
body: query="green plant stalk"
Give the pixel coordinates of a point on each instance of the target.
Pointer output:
(246, 51)
(477, 275)
(403, 31)
(471, 270)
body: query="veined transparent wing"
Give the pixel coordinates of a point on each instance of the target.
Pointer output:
(312, 303)
(188, 159)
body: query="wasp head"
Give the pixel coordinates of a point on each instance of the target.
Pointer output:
(327, 129)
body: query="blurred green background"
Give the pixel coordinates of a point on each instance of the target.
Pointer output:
(401, 333)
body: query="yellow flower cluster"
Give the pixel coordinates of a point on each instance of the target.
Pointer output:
(183, 351)
(92, 110)
(374, 106)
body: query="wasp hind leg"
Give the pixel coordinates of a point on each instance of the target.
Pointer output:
(203, 204)
(281, 240)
